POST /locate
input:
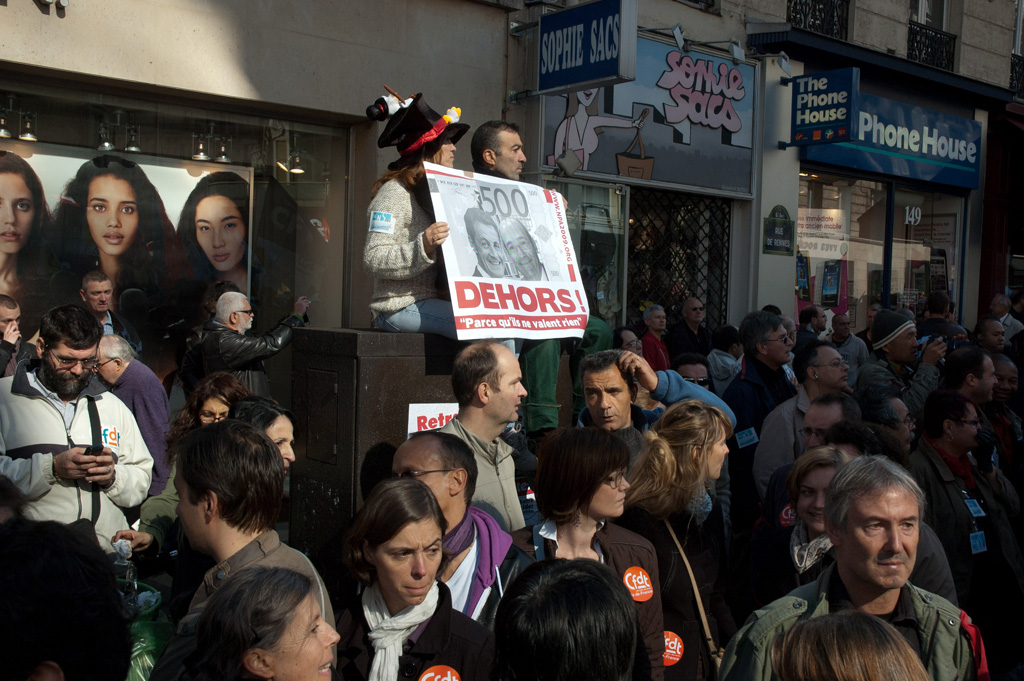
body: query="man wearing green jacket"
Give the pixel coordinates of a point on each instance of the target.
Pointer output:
(872, 516)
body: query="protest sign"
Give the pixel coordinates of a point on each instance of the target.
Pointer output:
(511, 266)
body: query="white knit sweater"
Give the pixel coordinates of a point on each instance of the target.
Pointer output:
(402, 271)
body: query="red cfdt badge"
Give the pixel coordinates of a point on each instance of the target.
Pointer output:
(638, 582)
(440, 673)
(673, 648)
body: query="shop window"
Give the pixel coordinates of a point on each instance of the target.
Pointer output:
(678, 248)
(842, 254)
(597, 225)
(277, 174)
(925, 253)
(840, 244)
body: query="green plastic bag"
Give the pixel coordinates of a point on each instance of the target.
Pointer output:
(149, 638)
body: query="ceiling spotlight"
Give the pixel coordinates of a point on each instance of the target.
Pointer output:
(199, 148)
(5, 133)
(105, 143)
(295, 163)
(28, 128)
(132, 145)
(223, 156)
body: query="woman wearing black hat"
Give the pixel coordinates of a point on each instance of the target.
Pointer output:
(403, 245)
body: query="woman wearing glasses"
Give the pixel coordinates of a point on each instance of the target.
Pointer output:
(209, 403)
(969, 502)
(581, 487)
(672, 504)
(624, 338)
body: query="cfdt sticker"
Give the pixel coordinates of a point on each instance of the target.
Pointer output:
(638, 582)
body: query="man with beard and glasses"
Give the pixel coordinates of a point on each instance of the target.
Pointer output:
(71, 447)
(227, 348)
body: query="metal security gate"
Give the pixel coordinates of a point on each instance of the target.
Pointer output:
(678, 247)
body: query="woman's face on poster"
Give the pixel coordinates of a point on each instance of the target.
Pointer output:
(220, 232)
(17, 211)
(112, 214)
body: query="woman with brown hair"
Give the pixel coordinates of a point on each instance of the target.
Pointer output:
(581, 487)
(845, 646)
(670, 503)
(403, 245)
(788, 556)
(403, 618)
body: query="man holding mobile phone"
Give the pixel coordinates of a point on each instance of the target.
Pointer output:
(71, 447)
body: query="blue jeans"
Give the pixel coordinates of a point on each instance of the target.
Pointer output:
(430, 315)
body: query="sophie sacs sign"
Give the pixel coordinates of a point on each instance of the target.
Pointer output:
(588, 45)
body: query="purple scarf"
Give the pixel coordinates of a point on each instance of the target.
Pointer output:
(493, 546)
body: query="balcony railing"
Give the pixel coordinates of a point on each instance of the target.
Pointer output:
(827, 17)
(930, 46)
(1017, 75)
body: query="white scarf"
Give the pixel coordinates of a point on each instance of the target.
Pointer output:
(389, 633)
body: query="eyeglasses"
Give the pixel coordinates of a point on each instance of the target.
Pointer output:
(976, 423)
(907, 421)
(100, 365)
(206, 418)
(249, 312)
(616, 480)
(65, 363)
(785, 340)
(703, 380)
(416, 474)
(835, 364)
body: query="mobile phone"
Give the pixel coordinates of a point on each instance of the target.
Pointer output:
(92, 450)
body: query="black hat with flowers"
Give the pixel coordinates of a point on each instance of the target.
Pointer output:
(414, 125)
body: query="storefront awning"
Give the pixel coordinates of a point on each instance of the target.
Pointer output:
(805, 45)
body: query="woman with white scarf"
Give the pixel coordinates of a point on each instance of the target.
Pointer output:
(796, 553)
(402, 623)
(671, 503)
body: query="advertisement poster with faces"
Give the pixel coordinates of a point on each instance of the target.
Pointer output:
(511, 266)
(160, 229)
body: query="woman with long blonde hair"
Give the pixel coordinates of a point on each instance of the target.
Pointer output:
(671, 503)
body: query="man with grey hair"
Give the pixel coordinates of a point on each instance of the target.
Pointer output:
(138, 387)
(227, 348)
(655, 350)
(873, 511)
(1000, 307)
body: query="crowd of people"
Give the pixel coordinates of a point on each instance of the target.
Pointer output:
(768, 500)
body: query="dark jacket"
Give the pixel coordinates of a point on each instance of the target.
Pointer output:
(449, 638)
(124, 329)
(622, 550)
(681, 339)
(224, 349)
(515, 562)
(20, 351)
(705, 549)
(947, 512)
(751, 402)
(192, 370)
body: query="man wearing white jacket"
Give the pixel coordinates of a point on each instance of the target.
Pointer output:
(71, 447)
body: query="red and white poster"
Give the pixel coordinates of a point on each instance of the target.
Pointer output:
(511, 266)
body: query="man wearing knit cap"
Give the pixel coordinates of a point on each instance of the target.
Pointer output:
(895, 353)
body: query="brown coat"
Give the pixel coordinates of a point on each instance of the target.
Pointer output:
(623, 550)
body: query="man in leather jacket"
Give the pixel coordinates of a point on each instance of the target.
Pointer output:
(227, 348)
